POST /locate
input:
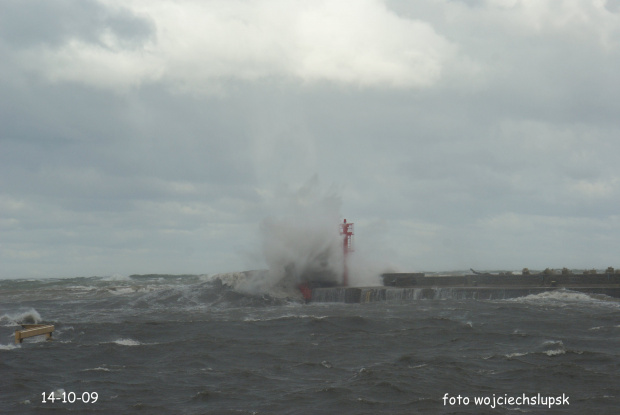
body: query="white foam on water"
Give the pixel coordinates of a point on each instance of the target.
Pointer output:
(555, 352)
(548, 347)
(97, 369)
(36, 339)
(511, 355)
(516, 408)
(9, 346)
(127, 342)
(121, 291)
(31, 316)
(553, 347)
(234, 280)
(135, 289)
(77, 289)
(565, 297)
(116, 277)
(283, 317)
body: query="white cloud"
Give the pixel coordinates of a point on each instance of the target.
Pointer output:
(197, 44)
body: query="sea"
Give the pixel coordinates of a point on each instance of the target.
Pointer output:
(164, 344)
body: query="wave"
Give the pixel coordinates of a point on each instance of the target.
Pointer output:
(548, 347)
(565, 297)
(155, 292)
(105, 368)
(116, 277)
(553, 347)
(256, 282)
(9, 346)
(30, 316)
(132, 289)
(128, 342)
(284, 317)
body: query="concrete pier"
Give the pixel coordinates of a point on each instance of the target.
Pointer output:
(411, 287)
(373, 294)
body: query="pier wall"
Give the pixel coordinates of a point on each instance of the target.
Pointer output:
(478, 280)
(375, 294)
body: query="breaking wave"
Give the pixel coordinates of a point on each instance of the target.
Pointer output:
(9, 346)
(127, 342)
(30, 316)
(549, 348)
(566, 297)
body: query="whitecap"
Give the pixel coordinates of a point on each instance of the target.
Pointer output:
(116, 277)
(127, 342)
(9, 346)
(97, 369)
(517, 354)
(31, 316)
(555, 352)
(81, 290)
(553, 347)
(563, 297)
(251, 319)
(121, 291)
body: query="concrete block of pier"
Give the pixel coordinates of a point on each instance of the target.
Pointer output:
(417, 286)
(494, 280)
(379, 294)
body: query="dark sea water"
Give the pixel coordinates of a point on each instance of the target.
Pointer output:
(190, 345)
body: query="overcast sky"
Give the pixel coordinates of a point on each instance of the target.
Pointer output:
(151, 136)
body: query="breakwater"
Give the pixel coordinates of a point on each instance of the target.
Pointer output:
(411, 287)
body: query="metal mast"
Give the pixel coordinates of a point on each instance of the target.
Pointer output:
(346, 230)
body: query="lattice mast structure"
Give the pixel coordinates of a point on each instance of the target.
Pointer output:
(346, 231)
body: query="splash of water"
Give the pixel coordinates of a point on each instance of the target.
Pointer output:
(301, 241)
(30, 316)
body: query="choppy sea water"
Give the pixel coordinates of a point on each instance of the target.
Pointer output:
(191, 345)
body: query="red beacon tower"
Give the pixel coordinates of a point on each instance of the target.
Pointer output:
(346, 231)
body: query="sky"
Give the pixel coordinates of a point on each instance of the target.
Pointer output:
(151, 136)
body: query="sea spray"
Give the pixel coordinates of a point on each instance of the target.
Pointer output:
(30, 316)
(300, 240)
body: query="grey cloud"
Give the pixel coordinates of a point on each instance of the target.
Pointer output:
(613, 5)
(506, 160)
(28, 23)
